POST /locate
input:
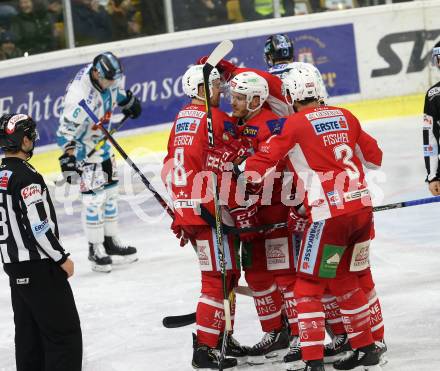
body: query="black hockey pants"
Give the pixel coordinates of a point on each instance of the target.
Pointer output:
(47, 327)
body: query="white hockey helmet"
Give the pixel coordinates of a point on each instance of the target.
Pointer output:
(251, 85)
(300, 84)
(322, 90)
(436, 55)
(193, 77)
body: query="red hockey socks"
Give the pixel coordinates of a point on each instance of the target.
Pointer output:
(267, 299)
(333, 316)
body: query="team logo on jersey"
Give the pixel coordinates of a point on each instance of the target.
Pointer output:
(4, 179)
(250, 131)
(276, 126)
(333, 198)
(328, 125)
(187, 125)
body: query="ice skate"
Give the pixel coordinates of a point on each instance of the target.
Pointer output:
(270, 348)
(315, 365)
(206, 358)
(292, 360)
(337, 349)
(120, 253)
(234, 349)
(363, 359)
(101, 262)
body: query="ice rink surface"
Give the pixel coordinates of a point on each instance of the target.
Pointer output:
(121, 312)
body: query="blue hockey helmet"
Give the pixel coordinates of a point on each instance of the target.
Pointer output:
(278, 47)
(108, 66)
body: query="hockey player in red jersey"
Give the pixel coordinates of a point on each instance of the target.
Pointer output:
(326, 148)
(268, 259)
(189, 187)
(275, 100)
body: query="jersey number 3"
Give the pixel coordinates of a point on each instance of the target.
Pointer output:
(345, 153)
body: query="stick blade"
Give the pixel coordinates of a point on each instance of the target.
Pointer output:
(220, 52)
(179, 321)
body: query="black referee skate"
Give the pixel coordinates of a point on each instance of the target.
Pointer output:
(101, 262)
(337, 349)
(315, 365)
(365, 359)
(293, 359)
(206, 358)
(120, 254)
(270, 348)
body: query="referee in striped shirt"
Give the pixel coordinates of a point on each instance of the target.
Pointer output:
(47, 327)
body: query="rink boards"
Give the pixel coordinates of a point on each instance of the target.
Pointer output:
(138, 143)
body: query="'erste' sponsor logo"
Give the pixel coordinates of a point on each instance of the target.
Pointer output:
(328, 125)
(187, 125)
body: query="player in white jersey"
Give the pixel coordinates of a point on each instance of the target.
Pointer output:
(101, 85)
(279, 57)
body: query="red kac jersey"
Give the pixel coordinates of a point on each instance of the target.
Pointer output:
(325, 148)
(183, 165)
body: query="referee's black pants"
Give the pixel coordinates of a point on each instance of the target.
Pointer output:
(47, 327)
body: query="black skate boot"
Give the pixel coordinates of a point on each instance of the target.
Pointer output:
(101, 262)
(383, 348)
(315, 365)
(293, 360)
(206, 358)
(269, 348)
(366, 359)
(234, 349)
(337, 349)
(120, 253)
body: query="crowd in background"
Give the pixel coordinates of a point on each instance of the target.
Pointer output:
(30, 27)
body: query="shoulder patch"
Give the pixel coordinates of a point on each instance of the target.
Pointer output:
(276, 126)
(229, 127)
(434, 91)
(4, 179)
(31, 193)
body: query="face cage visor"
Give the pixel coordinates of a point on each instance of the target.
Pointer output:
(435, 60)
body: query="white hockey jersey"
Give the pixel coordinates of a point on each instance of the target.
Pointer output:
(76, 125)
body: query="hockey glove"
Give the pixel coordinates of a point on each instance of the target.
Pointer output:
(231, 152)
(246, 217)
(131, 106)
(225, 67)
(68, 167)
(179, 232)
(296, 223)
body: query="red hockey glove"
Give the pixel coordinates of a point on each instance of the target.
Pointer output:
(246, 217)
(296, 223)
(225, 67)
(219, 160)
(179, 233)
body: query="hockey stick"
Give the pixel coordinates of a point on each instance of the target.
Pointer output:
(264, 227)
(97, 147)
(124, 155)
(190, 318)
(217, 54)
